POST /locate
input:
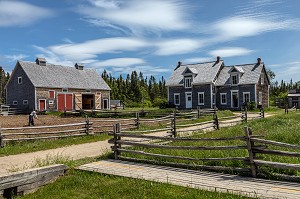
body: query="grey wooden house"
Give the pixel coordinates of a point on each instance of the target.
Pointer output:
(42, 86)
(212, 84)
(294, 98)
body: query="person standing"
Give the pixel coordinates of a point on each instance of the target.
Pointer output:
(32, 115)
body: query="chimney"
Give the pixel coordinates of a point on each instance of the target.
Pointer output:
(79, 66)
(258, 61)
(40, 61)
(178, 65)
(218, 59)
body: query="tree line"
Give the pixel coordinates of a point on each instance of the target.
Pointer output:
(4, 77)
(136, 90)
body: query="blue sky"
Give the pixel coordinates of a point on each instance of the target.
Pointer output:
(152, 36)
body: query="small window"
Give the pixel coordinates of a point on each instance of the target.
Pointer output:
(188, 82)
(223, 97)
(19, 80)
(213, 98)
(234, 79)
(51, 94)
(88, 90)
(177, 99)
(51, 102)
(260, 98)
(201, 98)
(25, 102)
(15, 102)
(65, 90)
(262, 79)
(246, 97)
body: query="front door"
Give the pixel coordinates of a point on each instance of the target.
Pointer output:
(42, 105)
(105, 104)
(234, 99)
(188, 100)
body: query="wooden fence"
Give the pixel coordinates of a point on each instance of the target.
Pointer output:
(45, 132)
(253, 144)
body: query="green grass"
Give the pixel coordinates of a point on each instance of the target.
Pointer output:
(83, 184)
(282, 128)
(38, 145)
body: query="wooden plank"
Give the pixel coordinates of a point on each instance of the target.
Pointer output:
(183, 158)
(275, 143)
(182, 147)
(276, 152)
(41, 138)
(148, 131)
(42, 133)
(277, 165)
(194, 124)
(43, 127)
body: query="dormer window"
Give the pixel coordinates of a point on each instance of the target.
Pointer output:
(262, 79)
(188, 82)
(234, 79)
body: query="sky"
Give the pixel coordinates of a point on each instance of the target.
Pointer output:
(151, 36)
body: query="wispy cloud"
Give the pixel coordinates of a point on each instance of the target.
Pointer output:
(230, 52)
(138, 16)
(16, 13)
(13, 58)
(119, 62)
(178, 46)
(198, 59)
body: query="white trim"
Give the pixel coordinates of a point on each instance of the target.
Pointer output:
(199, 98)
(20, 78)
(105, 99)
(186, 94)
(214, 98)
(225, 98)
(231, 98)
(211, 105)
(237, 78)
(255, 94)
(178, 98)
(51, 102)
(15, 102)
(25, 101)
(185, 80)
(244, 96)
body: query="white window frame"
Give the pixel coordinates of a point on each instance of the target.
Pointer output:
(25, 102)
(15, 102)
(260, 98)
(201, 93)
(177, 94)
(223, 94)
(237, 79)
(188, 82)
(214, 99)
(245, 93)
(51, 102)
(20, 80)
(262, 79)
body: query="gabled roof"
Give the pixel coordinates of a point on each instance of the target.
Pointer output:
(251, 74)
(206, 73)
(237, 69)
(57, 76)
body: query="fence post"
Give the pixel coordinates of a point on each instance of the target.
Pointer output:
(1, 138)
(198, 112)
(117, 129)
(174, 125)
(87, 125)
(216, 121)
(286, 109)
(250, 145)
(137, 120)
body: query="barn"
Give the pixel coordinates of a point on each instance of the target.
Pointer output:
(48, 87)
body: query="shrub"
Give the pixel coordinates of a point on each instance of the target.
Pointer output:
(160, 102)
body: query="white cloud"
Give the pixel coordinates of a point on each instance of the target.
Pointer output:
(13, 58)
(16, 13)
(178, 46)
(119, 62)
(139, 16)
(198, 59)
(230, 52)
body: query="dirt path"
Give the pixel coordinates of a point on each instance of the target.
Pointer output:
(73, 152)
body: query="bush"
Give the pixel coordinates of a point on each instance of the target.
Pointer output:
(160, 102)
(251, 105)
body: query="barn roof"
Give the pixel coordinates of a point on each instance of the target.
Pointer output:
(57, 76)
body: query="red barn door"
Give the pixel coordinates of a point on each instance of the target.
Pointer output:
(64, 101)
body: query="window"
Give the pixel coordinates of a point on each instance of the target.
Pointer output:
(15, 102)
(19, 80)
(213, 98)
(201, 98)
(259, 97)
(51, 102)
(88, 90)
(262, 79)
(177, 99)
(188, 82)
(223, 97)
(25, 102)
(64, 90)
(51, 94)
(246, 97)
(234, 79)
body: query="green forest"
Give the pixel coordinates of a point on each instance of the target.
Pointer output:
(3, 80)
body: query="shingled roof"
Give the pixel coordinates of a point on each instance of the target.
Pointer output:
(206, 73)
(250, 74)
(57, 76)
